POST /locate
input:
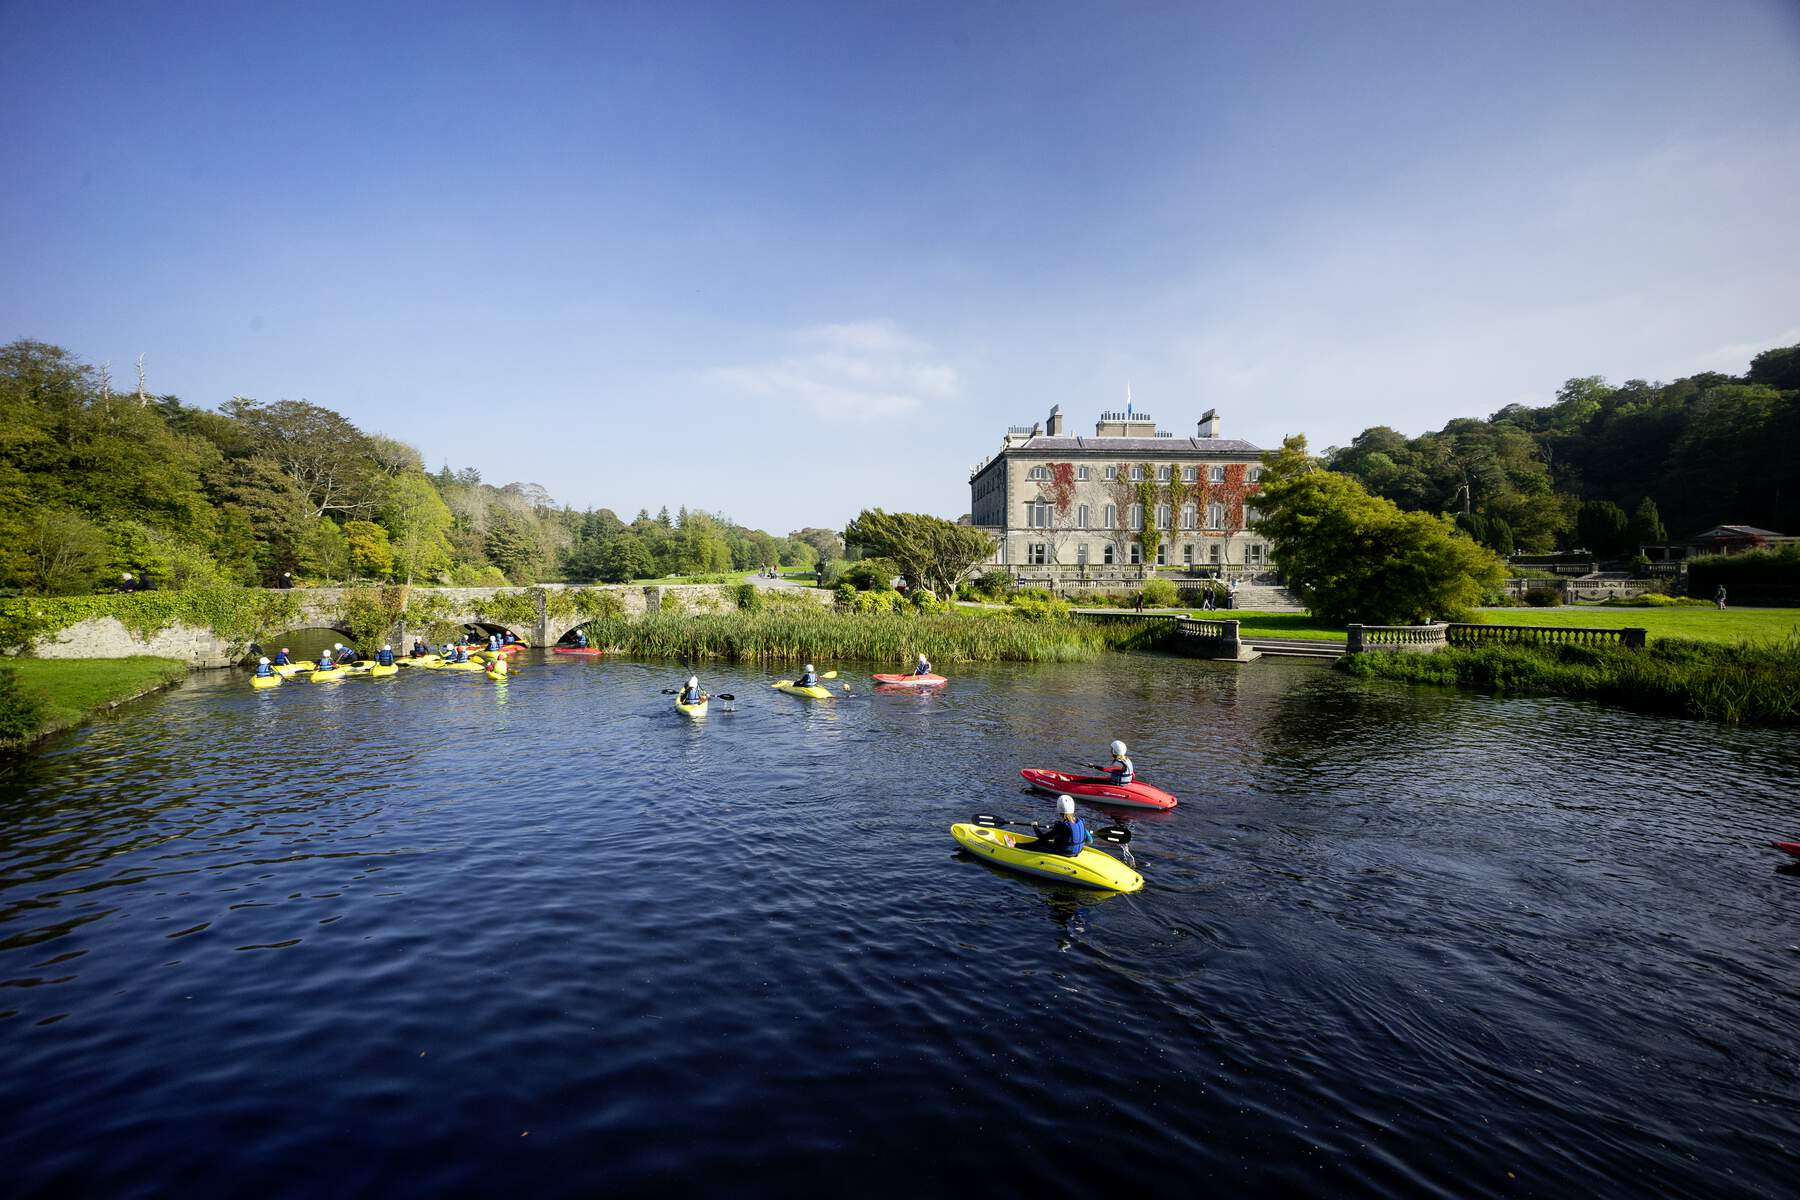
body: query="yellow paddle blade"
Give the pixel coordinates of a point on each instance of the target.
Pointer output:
(781, 683)
(829, 675)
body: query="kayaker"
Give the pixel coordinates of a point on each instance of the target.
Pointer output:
(385, 656)
(1067, 836)
(809, 679)
(449, 650)
(462, 654)
(509, 639)
(325, 662)
(494, 641)
(263, 668)
(924, 667)
(281, 657)
(691, 694)
(418, 650)
(580, 640)
(496, 667)
(344, 653)
(1120, 767)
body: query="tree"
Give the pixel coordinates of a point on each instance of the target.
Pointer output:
(625, 558)
(418, 523)
(513, 545)
(1356, 557)
(325, 455)
(1601, 525)
(928, 550)
(825, 542)
(371, 557)
(67, 552)
(1646, 527)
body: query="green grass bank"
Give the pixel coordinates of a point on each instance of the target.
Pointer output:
(1750, 682)
(42, 696)
(795, 634)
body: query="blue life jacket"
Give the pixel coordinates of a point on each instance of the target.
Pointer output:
(281, 660)
(385, 657)
(810, 679)
(418, 649)
(1065, 837)
(690, 695)
(510, 640)
(325, 663)
(462, 655)
(923, 668)
(494, 642)
(580, 640)
(1120, 770)
(264, 669)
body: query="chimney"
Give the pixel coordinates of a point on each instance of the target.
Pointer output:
(1054, 426)
(1209, 423)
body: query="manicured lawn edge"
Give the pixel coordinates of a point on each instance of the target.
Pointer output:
(75, 689)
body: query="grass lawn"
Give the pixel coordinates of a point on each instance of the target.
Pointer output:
(1701, 624)
(73, 689)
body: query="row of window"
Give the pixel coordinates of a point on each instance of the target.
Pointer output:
(1214, 474)
(1039, 515)
(1037, 554)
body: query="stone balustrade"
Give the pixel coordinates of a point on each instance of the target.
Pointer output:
(1631, 637)
(1396, 639)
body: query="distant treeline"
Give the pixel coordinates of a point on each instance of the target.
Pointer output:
(1605, 468)
(96, 484)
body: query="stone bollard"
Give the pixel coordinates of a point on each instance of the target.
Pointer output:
(1354, 640)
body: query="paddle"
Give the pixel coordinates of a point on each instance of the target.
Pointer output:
(1116, 835)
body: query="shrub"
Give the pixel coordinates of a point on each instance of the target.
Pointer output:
(996, 584)
(1159, 593)
(923, 601)
(21, 712)
(871, 574)
(834, 573)
(749, 598)
(671, 603)
(1036, 604)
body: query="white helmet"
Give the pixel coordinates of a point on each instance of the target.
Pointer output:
(1118, 749)
(1065, 805)
(693, 681)
(337, 645)
(263, 661)
(922, 657)
(387, 647)
(809, 668)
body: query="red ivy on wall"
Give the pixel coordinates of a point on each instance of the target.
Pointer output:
(1061, 489)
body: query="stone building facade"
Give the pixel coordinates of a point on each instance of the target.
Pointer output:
(1068, 507)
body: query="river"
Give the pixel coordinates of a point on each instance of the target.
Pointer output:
(431, 934)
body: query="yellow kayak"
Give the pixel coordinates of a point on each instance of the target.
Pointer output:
(331, 676)
(1094, 868)
(693, 710)
(265, 681)
(794, 689)
(456, 666)
(370, 667)
(424, 660)
(289, 670)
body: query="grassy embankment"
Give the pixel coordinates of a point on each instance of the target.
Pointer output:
(41, 696)
(1754, 682)
(1724, 626)
(792, 633)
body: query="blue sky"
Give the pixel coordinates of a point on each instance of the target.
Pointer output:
(791, 260)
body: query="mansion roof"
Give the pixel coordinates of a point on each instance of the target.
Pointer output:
(1043, 444)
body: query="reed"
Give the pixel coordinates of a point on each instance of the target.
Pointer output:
(1749, 682)
(811, 633)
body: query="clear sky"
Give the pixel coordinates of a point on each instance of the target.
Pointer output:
(790, 260)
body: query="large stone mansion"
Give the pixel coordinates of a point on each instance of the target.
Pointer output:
(1063, 505)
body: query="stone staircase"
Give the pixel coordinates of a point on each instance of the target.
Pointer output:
(1262, 597)
(1294, 647)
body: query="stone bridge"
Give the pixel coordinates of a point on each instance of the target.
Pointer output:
(321, 608)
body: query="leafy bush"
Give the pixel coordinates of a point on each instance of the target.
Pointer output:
(1036, 604)
(834, 573)
(749, 598)
(671, 603)
(870, 574)
(21, 712)
(924, 602)
(1159, 593)
(996, 584)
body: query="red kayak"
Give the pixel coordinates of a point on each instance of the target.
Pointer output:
(917, 681)
(1098, 788)
(1792, 848)
(578, 650)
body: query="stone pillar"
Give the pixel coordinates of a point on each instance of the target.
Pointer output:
(1354, 639)
(1229, 645)
(1632, 637)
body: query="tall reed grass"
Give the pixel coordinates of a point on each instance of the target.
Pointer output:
(1750, 682)
(810, 633)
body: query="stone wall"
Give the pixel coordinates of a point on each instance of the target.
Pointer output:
(106, 637)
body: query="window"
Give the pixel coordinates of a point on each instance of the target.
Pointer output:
(1137, 473)
(1037, 515)
(1106, 555)
(1162, 554)
(1081, 517)
(1216, 548)
(1112, 473)
(1253, 553)
(1112, 517)
(1038, 473)
(1081, 554)
(1136, 516)
(1036, 554)
(1162, 474)
(1190, 516)
(1215, 474)
(1250, 515)
(1137, 553)
(1255, 474)
(1215, 516)
(1162, 516)
(1081, 474)
(1187, 554)
(1190, 474)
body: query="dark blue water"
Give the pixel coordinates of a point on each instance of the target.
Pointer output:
(428, 934)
